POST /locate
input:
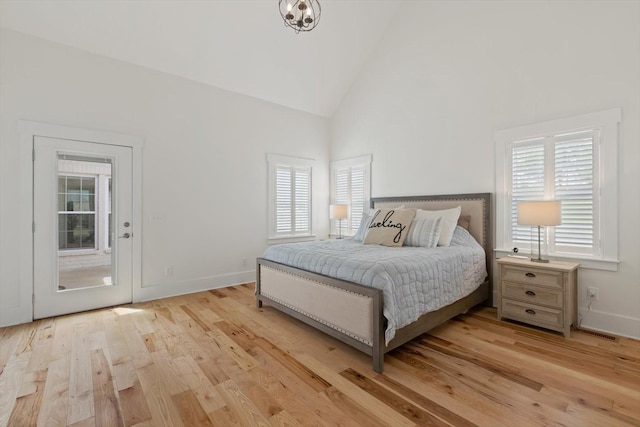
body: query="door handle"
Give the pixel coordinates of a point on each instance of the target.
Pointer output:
(125, 236)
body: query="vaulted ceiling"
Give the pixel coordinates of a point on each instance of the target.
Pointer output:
(238, 45)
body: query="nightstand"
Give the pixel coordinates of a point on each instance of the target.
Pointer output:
(541, 294)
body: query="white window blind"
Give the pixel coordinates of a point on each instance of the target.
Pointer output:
(577, 186)
(573, 160)
(350, 181)
(289, 196)
(558, 167)
(527, 182)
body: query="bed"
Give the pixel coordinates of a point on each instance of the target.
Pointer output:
(354, 313)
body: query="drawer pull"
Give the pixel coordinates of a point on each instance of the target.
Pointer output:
(531, 293)
(530, 275)
(528, 310)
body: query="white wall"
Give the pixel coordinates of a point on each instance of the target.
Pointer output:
(204, 161)
(449, 74)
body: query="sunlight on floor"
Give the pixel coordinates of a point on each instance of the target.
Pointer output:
(123, 311)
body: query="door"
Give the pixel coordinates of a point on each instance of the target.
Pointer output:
(83, 234)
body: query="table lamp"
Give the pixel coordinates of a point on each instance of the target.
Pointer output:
(339, 212)
(540, 214)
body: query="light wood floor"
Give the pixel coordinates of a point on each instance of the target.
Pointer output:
(212, 358)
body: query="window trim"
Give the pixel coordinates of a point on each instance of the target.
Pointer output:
(273, 161)
(607, 121)
(365, 162)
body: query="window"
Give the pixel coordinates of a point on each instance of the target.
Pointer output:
(561, 160)
(76, 212)
(84, 206)
(351, 185)
(289, 196)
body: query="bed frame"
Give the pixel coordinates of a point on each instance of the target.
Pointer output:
(352, 312)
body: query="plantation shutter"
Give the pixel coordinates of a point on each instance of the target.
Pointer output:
(342, 195)
(293, 200)
(349, 189)
(558, 167)
(527, 182)
(302, 205)
(357, 197)
(574, 185)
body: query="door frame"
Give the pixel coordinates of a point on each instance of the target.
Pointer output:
(28, 130)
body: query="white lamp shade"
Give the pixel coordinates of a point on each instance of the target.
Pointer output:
(540, 213)
(338, 211)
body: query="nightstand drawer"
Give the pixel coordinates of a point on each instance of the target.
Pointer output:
(532, 314)
(532, 294)
(531, 276)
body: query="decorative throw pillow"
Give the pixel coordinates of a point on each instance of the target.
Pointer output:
(449, 222)
(364, 224)
(362, 229)
(389, 227)
(424, 233)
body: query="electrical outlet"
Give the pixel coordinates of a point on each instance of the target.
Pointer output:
(592, 293)
(168, 270)
(244, 262)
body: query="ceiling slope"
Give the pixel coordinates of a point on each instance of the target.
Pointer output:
(241, 46)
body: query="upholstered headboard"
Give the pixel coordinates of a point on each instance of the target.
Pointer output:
(476, 205)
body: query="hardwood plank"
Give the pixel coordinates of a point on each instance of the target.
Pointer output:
(227, 344)
(195, 318)
(168, 373)
(55, 399)
(475, 393)
(10, 382)
(424, 402)
(190, 410)
(283, 419)
(81, 399)
(134, 404)
(522, 399)
(288, 361)
(296, 396)
(222, 361)
(161, 406)
(494, 366)
(25, 411)
(240, 405)
(449, 397)
(380, 410)
(350, 406)
(88, 422)
(10, 337)
(107, 405)
(209, 398)
(401, 405)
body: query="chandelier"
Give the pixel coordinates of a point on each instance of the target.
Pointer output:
(301, 15)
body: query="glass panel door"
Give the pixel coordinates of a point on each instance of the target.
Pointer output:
(83, 236)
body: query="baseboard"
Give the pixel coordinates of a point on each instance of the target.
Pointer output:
(166, 290)
(610, 323)
(10, 316)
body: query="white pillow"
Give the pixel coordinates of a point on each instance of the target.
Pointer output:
(424, 233)
(449, 222)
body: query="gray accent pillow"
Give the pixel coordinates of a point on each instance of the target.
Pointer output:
(362, 229)
(389, 227)
(424, 232)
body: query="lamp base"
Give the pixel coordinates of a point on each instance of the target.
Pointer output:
(539, 260)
